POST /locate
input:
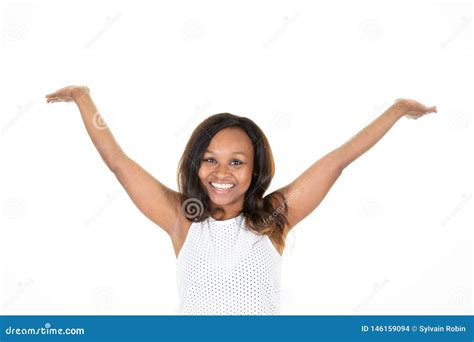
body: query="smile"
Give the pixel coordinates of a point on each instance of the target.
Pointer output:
(222, 187)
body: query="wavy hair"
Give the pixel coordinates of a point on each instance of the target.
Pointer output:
(264, 215)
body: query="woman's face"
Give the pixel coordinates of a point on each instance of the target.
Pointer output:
(226, 169)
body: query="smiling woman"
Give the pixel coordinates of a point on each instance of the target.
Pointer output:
(228, 237)
(225, 177)
(229, 253)
(227, 166)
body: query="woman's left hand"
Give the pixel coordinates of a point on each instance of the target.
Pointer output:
(414, 109)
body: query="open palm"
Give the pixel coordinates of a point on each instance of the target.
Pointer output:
(65, 94)
(416, 109)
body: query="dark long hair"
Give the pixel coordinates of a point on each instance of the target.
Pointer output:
(264, 215)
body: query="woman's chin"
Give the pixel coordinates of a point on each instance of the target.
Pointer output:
(219, 200)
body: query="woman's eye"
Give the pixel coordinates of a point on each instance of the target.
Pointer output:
(234, 162)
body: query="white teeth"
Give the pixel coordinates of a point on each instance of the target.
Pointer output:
(222, 186)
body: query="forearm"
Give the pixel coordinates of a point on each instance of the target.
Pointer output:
(368, 136)
(97, 129)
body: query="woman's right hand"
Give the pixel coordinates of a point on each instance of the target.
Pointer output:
(67, 94)
(414, 109)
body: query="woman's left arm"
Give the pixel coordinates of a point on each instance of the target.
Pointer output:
(370, 135)
(307, 191)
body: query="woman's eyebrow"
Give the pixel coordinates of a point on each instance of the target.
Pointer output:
(232, 152)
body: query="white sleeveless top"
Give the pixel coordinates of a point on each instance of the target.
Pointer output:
(223, 268)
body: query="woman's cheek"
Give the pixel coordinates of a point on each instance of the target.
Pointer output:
(245, 178)
(202, 173)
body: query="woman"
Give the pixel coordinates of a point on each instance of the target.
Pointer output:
(227, 235)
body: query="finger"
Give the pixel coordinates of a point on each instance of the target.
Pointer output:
(54, 99)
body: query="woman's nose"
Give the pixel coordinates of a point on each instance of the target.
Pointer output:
(222, 170)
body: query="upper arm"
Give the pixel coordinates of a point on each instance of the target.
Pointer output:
(306, 192)
(157, 202)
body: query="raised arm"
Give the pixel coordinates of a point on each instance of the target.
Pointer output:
(306, 192)
(157, 202)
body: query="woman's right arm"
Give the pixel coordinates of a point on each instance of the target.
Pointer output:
(156, 201)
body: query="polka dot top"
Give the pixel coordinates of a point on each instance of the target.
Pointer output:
(224, 268)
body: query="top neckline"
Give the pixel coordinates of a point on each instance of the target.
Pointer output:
(225, 221)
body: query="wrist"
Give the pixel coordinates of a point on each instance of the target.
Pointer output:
(79, 92)
(399, 109)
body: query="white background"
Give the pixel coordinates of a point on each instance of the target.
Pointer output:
(394, 234)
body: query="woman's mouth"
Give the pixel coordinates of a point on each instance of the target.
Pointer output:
(222, 188)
